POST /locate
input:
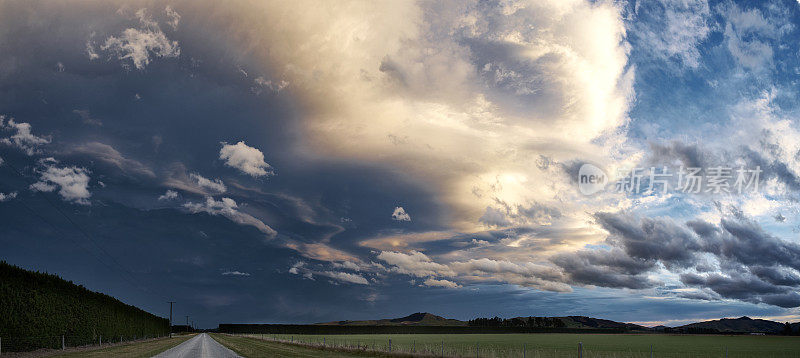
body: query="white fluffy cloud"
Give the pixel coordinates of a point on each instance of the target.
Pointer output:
(235, 273)
(400, 214)
(264, 83)
(228, 208)
(7, 197)
(72, 182)
(346, 277)
(414, 263)
(431, 282)
(215, 186)
(245, 158)
(22, 137)
(676, 29)
(174, 17)
(169, 195)
(748, 32)
(139, 44)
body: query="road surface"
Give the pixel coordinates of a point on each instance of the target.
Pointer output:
(201, 346)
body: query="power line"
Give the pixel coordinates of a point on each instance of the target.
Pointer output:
(120, 268)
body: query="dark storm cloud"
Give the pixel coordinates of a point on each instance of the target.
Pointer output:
(606, 268)
(689, 155)
(746, 288)
(772, 168)
(147, 129)
(753, 266)
(651, 239)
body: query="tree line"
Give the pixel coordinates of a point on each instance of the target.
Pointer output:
(36, 309)
(529, 322)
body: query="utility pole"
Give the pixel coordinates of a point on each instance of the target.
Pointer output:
(170, 318)
(187, 323)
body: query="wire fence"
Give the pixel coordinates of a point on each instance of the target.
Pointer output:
(424, 347)
(427, 349)
(32, 343)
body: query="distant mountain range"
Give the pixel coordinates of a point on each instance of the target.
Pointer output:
(725, 325)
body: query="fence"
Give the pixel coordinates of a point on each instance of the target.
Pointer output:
(483, 349)
(31, 343)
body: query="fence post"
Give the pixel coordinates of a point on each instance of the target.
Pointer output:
(524, 348)
(101, 340)
(651, 351)
(390, 345)
(442, 348)
(63, 346)
(580, 350)
(413, 345)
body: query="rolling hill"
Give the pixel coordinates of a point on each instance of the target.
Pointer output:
(736, 325)
(415, 319)
(724, 325)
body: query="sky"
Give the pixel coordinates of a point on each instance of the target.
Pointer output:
(300, 162)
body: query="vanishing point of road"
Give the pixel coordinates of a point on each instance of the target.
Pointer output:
(200, 346)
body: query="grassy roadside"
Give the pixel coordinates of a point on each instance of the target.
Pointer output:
(131, 350)
(256, 348)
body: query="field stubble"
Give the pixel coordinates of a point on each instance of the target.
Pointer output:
(555, 345)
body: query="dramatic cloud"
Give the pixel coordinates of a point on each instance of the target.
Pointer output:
(169, 195)
(399, 214)
(215, 186)
(735, 259)
(542, 276)
(247, 159)
(72, 182)
(22, 137)
(138, 44)
(425, 84)
(476, 115)
(228, 208)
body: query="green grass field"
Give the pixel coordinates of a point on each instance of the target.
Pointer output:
(565, 345)
(249, 347)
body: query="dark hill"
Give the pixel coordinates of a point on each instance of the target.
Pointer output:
(736, 325)
(589, 322)
(416, 319)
